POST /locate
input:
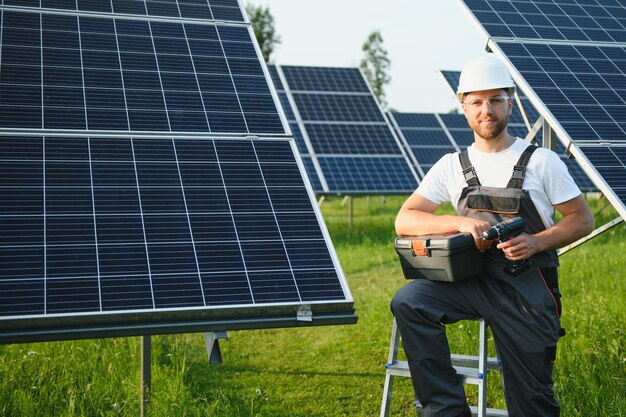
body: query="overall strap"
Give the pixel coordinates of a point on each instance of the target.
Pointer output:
(468, 170)
(519, 170)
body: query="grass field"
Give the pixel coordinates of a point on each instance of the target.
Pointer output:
(325, 371)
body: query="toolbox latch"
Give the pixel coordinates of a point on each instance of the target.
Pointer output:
(419, 247)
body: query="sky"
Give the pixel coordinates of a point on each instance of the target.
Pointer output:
(420, 36)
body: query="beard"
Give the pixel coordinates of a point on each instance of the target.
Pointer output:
(493, 131)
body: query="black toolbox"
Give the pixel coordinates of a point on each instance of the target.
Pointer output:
(438, 257)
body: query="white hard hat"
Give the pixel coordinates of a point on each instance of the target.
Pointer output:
(484, 73)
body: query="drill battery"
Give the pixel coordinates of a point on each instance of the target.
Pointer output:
(438, 257)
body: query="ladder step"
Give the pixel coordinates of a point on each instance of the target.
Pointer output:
(468, 361)
(491, 412)
(468, 375)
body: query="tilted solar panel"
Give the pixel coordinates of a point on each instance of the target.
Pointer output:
(84, 72)
(351, 146)
(147, 182)
(569, 57)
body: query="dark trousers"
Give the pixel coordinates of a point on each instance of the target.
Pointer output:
(522, 314)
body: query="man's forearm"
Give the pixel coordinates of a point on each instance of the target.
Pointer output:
(569, 229)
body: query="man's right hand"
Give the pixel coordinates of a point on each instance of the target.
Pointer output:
(476, 227)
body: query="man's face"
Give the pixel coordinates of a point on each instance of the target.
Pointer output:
(487, 112)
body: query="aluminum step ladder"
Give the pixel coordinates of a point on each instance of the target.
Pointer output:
(471, 369)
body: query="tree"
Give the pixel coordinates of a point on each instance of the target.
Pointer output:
(375, 65)
(264, 30)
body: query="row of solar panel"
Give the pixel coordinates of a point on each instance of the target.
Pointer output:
(117, 74)
(346, 142)
(227, 10)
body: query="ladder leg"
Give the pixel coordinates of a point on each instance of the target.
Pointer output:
(482, 370)
(392, 358)
(384, 410)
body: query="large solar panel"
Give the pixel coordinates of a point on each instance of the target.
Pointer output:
(102, 72)
(569, 57)
(145, 188)
(348, 145)
(518, 127)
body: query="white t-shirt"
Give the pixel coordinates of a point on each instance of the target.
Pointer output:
(547, 179)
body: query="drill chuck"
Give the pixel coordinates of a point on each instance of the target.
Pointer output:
(505, 230)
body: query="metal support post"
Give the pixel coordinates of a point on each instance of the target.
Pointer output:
(549, 137)
(351, 209)
(211, 340)
(146, 373)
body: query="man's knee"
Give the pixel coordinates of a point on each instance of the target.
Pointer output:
(408, 299)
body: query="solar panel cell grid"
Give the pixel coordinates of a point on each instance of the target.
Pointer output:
(325, 79)
(587, 105)
(189, 9)
(117, 74)
(341, 118)
(137, 222)
(367, 174)
(559, 20)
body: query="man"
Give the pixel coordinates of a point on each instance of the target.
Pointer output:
(499, 177)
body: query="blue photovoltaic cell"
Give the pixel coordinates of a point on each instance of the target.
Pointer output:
(610, 162)
(555, 20)
(581, 85)
(325, 79)
(362, 139)
(167, 223)
(98, 73)
(337, 108)
(367, 175)
(344, 125)
(226, 10)
(425, 136)
(295, 130)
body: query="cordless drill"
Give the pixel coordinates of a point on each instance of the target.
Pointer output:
(503, 231)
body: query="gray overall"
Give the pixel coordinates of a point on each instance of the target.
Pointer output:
(522, 312)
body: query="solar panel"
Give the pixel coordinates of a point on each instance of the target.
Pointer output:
(350, 144)
(518, 127)
(569, 57)
(86, 72)
(147, 182)
(426, 136)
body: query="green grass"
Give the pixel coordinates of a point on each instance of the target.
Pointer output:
(324, 371)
